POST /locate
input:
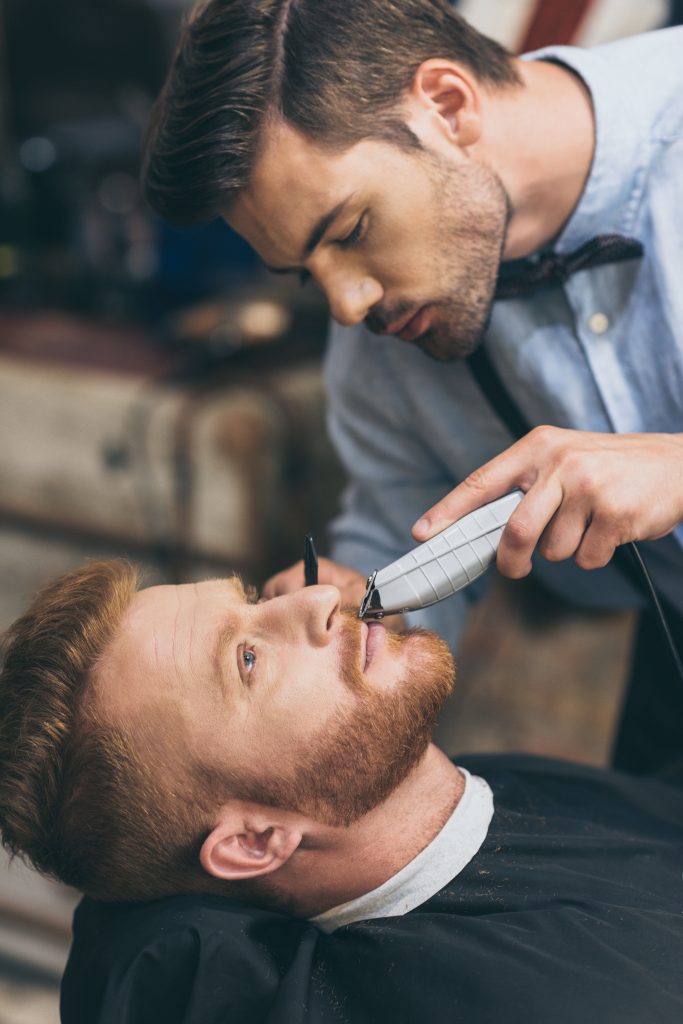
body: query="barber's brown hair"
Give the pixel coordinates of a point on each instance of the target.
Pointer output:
(80, 797)
(335, 70)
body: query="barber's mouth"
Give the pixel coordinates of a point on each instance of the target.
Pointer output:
(375, 634)
(413, 327)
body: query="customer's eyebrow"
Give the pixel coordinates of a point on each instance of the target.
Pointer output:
(225, 637)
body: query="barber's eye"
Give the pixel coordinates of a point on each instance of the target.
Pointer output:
(355, 236)
(249, 659)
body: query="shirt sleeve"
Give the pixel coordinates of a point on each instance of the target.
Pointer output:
(393, 474)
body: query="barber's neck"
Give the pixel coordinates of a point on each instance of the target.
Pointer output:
(540, 140)
(334, 865)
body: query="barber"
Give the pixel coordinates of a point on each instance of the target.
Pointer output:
(526, 209)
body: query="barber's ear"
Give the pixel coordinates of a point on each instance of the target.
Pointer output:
(248, 840)
(444, 100)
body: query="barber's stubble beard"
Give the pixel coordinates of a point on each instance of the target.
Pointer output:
(472, 214)
(360, 758)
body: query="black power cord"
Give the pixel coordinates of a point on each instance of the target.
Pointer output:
(659, 611)
(505, 408)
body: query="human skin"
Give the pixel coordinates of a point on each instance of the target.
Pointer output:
(319, 726)
(586, 494)
(351, 584)
(414, 251)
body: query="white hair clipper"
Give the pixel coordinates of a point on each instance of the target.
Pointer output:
(441, 566)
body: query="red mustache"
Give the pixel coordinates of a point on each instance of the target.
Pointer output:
(350, 648)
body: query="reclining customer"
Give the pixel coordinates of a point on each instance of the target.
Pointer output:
(185, 740)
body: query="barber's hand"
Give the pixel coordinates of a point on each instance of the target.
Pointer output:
(351, 584)
(585, 494)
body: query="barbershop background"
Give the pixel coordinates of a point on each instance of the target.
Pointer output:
(160, 398)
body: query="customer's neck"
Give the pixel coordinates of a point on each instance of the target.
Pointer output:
(335, 865)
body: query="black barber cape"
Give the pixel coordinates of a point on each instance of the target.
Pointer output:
(572, 911)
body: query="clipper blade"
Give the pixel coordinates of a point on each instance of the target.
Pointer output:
(371, 605)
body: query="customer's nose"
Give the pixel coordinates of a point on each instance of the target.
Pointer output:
(317, 611)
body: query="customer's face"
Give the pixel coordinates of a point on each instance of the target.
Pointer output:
(294, 702)
(414, 243)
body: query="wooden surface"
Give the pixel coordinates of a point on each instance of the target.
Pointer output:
(538, 676)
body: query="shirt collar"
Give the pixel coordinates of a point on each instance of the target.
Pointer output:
(440, 862)
(608, 203)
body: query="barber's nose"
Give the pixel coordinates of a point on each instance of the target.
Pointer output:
(317, 609)
(352, 299)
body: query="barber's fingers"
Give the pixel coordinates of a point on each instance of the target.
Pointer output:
(525, 528)
(598, 545)
(347, 580)
(513, 468)
(285, 582)
(351, 585)
(565, 532)
(353, 592)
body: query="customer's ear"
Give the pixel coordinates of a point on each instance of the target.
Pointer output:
(248, 840)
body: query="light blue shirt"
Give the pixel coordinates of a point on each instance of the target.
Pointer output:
(603, 353)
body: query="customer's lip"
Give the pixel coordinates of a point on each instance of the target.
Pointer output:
(374, 638)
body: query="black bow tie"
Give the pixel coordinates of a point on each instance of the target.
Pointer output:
(519, 278)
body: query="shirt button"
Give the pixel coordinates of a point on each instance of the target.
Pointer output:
(598, 323)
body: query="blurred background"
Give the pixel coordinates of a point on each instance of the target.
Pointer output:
(160, 398)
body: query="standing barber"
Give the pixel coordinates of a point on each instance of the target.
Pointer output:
(443, 193)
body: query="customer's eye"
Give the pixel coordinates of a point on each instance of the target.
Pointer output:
(249, 659)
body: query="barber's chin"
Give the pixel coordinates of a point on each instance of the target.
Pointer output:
(445, 348)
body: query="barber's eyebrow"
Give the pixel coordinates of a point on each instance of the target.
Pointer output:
(225, 636)
(316, 235)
